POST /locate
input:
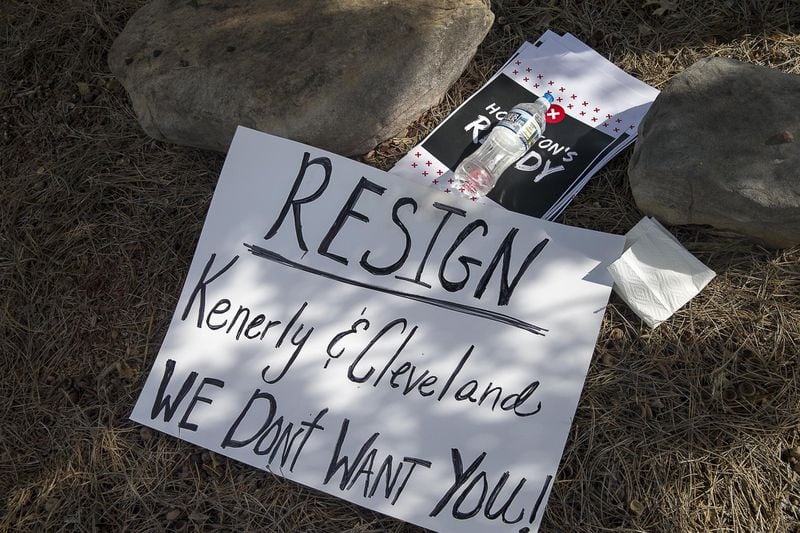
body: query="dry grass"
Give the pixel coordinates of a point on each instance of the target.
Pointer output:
(679, 429)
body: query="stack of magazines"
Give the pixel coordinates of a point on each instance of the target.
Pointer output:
(595, 115)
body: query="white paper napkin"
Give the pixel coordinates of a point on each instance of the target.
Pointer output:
(656, 275)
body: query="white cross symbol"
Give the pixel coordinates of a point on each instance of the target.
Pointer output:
(553, 114)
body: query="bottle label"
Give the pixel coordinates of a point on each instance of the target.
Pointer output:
(523, 124)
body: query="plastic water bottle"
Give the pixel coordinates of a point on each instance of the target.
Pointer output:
(507, 142)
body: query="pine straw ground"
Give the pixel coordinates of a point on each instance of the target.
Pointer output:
(685, 428)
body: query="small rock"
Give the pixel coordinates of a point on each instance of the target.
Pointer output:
(636, 507)
(173, 515)
(662, 6)
(51, 505)
(729, 395)
(124, 371)
(197, 516)
(781, 138)
(343, 78)
(217, 460)
(747, 389)
(145, 434)
(657, 403)
(794, 452)
(597, 37)
(707, 151)
(83, 88)
(645, 30)
(113, 85)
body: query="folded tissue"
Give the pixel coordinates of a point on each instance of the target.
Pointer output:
(656, 275)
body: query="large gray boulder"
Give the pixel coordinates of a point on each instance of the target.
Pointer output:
(718, 147)
(338, 74)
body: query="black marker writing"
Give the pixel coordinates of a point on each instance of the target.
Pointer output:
(381, 362)
(361, 468)
(295, 203)
(449, 211)
(493, 499)
(402, 322)
(184, 423)
(164, 402)
(454, 286)
(504, 254)
(382, 271)
(453, 306)
(276, 435)
(243, 323)
(200, 288)
(361, 323)
(297, 341)
(349, 209)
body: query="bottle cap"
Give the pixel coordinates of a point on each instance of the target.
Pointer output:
(548, 97)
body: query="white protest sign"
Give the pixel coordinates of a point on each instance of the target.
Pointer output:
(387, 343)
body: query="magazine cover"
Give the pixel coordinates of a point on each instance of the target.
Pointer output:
(595, 114)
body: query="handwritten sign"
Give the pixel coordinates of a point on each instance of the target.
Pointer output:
(393, 345)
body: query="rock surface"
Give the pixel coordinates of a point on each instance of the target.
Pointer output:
(341, 74)
(718, 147)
